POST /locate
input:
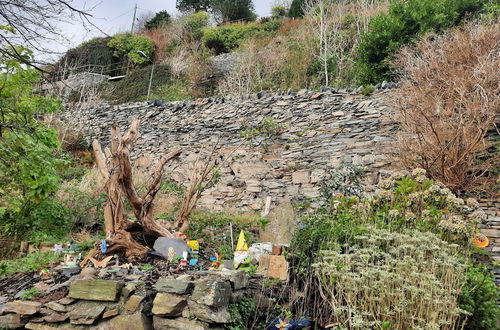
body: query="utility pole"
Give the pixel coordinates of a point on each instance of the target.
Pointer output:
(133, 20)
(131, 32)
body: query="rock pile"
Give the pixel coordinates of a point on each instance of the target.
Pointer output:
(195, 302)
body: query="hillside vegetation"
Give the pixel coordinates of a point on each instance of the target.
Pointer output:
(344, 43)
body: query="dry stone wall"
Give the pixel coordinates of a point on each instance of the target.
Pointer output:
(275, 147)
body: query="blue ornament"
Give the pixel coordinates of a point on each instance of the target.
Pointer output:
(104, 246)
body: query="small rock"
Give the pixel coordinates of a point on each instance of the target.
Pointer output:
(258, 249)
(23, 307)
(179, 323)
(174, 286)
(86, 313)
(238, 278)
(273, 266)
(56, 307)
(110, 313)
(133, 303)
(88, 273)
(66, 301)
(209, 314)
(136, 321)
(68, 272)
(300, 177)
(212, 291)
(55, 318)
(128, 289)
(261, 94)
(166, 304)
(11, 321)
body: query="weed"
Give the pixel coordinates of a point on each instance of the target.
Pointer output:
(30, 263)
(30, 294)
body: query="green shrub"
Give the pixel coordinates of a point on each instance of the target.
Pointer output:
(160, 19)
(175, 90)
(195, 23)
(127, 45)
(403, 24)
(367, 90)
(409, 211)
(225, 38)
(296, 9)
(272, 25)
(30, 294)
(233, 10)
(134, 86)
(31, 263)
(278, 11)
(94, 55)
(479, 297)
(407, 280)
(241, 313)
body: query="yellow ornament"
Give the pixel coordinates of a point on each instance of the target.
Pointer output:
(194, 245)
(242, 244)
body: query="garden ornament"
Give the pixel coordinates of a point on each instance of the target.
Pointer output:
(283, 324)
(241, 253)
(58, 248)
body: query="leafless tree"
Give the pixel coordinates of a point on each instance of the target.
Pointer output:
(36, 25)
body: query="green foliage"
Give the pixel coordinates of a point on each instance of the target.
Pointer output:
(29, 159)
(175, 90)
(195, 23)
(344, 179)
(192, 5)
(366, 283)
(271, 26)
(94, 55)
(214, 230)
(278, 11)
(479, 297)
(296, 9)
(31, 263)
(160, 19)
(127, 45)
(409, 212)
(265, 129)
(171, 187)
(225, 38)
(134, 86)
(367, 90)
(241, 313)
(403, 24)
(233, 10)
(31, 293)
(146, 267)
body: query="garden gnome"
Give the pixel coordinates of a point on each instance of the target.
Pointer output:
(241, 253)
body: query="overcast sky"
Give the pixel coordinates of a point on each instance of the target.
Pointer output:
(112, 16)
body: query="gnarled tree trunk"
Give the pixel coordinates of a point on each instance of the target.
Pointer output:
(115, 168)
